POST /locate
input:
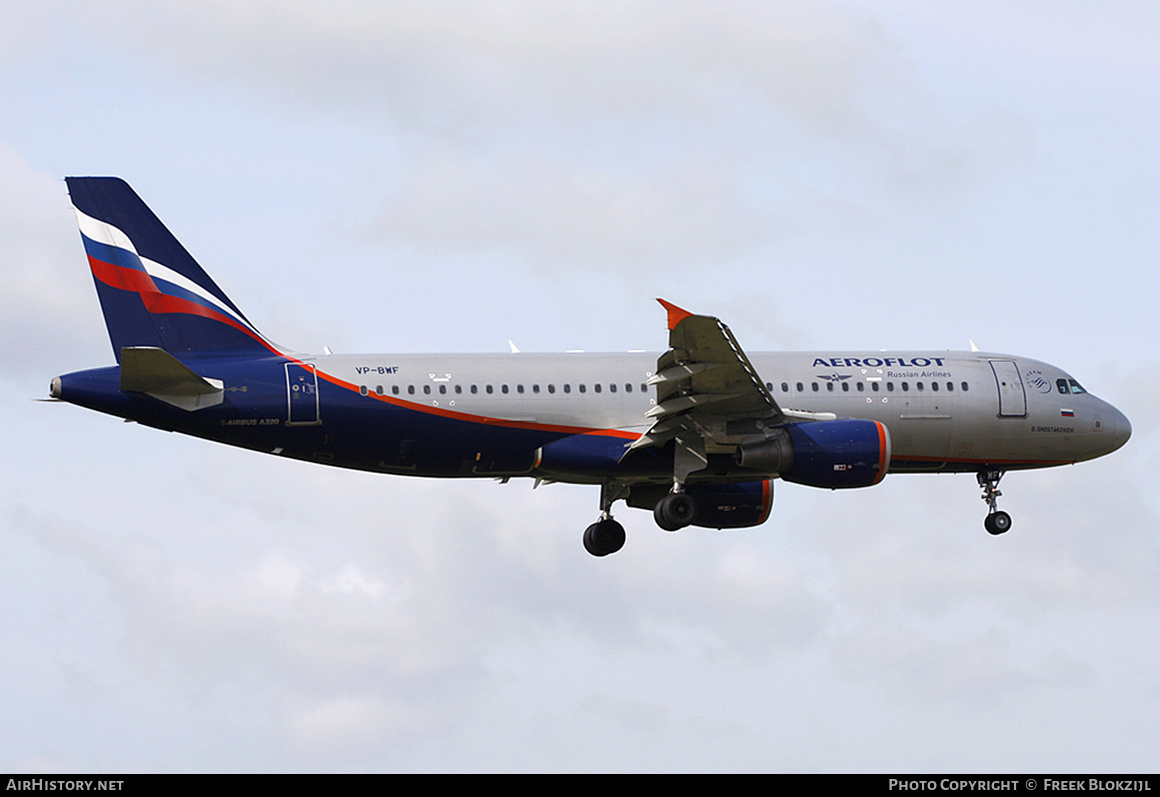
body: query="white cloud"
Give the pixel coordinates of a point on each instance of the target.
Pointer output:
(634, 135)
(462, 62)
(47, 307)
(564, 215)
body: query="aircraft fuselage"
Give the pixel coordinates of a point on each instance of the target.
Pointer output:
(489, 414)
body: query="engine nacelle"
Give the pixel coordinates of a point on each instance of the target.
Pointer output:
(832, 454)
(719, 506)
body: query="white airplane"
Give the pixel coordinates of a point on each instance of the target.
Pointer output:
(696, 434)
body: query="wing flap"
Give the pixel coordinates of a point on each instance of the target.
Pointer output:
(679, 372)
(684, 402)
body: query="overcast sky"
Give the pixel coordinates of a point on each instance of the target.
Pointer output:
(449, 176)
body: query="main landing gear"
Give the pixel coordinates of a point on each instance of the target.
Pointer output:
(675, 511)
(997, 521)
(672, 513)
(606, 536)
(603, 537)
(679, 509)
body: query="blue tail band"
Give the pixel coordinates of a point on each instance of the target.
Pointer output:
(152, 291)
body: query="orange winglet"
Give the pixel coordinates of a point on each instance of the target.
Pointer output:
(676, 314)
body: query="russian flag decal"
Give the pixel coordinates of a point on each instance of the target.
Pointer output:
(1067, 413)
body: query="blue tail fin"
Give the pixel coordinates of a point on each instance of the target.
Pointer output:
(152, 292)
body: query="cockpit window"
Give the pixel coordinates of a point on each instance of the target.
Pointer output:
(1067, 386)
(1075, 387)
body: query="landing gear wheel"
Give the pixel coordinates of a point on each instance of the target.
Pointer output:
(675, 511)
(604, 537)
(997, 522)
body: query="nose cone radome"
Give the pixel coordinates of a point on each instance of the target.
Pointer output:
(1119, 427)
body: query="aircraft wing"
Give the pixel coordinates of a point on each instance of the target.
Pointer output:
(708, 392)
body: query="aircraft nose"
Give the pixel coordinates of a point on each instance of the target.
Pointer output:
(1119, 428)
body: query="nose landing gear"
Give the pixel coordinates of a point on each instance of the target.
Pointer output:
(997, 521)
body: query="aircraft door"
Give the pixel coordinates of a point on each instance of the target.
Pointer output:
(1012, 396)
(301, 395)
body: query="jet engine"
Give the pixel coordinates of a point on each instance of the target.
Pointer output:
(832, 454)
(714, 506)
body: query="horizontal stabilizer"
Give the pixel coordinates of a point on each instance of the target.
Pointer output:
(157, 373)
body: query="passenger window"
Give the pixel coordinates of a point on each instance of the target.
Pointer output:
(535, 388)
(800, 388)
(814, 385)
(474, 389)
(362, 389)
(410, 390)
(830, 386)
(395, 389)
(934, 386)
(583, 388)
(905, 387)
(489, 390)
(458, 389)
(889, 387)
(519, 388)
(503, 389)
(950, 387)
(567, 387)
(874, 386)
(551, 388)
(920, 387)
(596, 387)
(627, 387)
(443, 390)
(427, 390)
(966, 387)
(612, 388)
(784, 387)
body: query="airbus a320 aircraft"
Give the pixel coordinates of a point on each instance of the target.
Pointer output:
(697, 434)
